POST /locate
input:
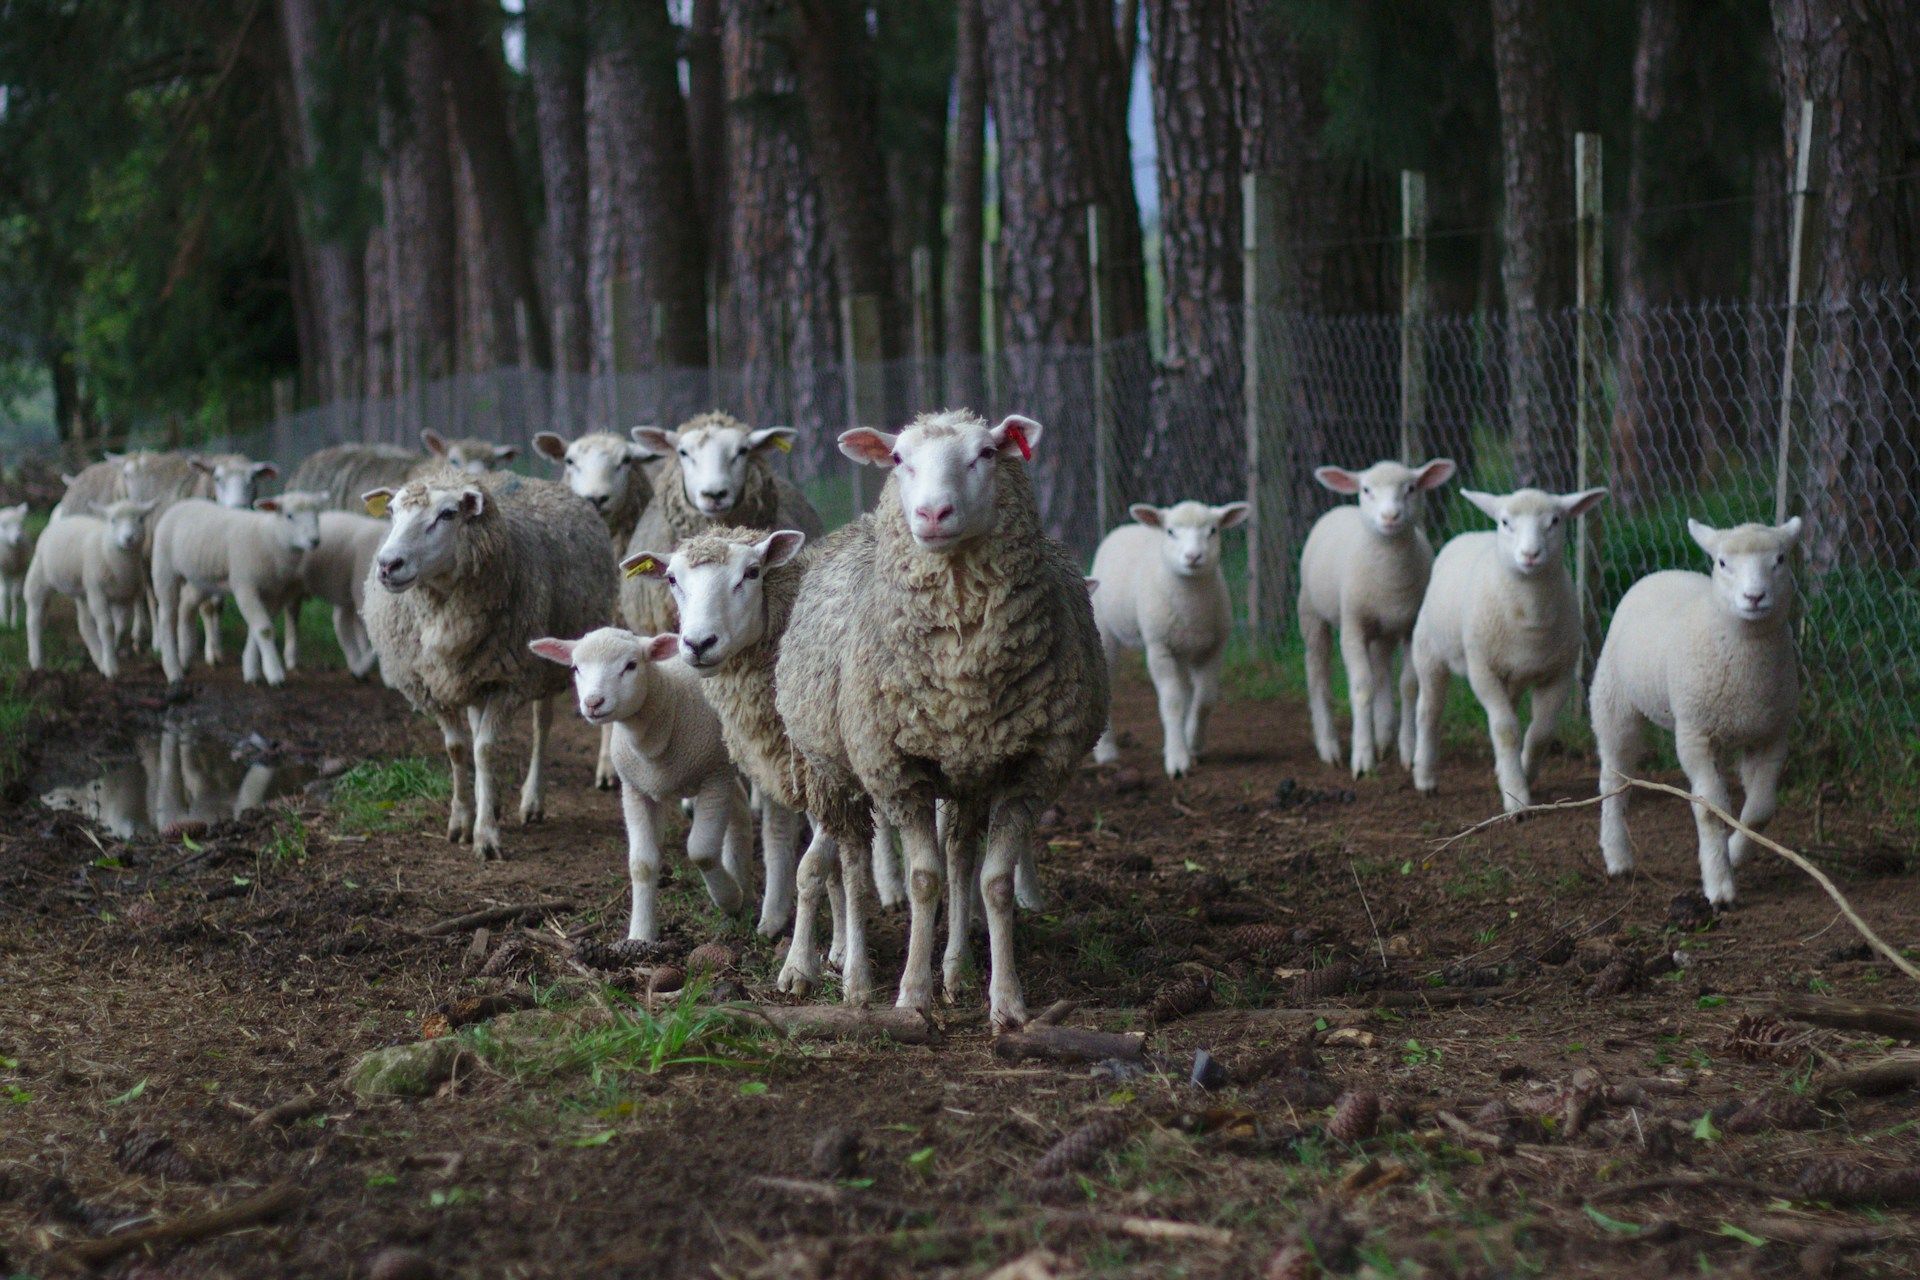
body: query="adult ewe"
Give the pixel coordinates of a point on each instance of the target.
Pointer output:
(1364, 570)
(1500, 610)
(1710, 657)
(474, 569)
(346, 471)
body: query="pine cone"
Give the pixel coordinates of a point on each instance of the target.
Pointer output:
(619, 955)
(151, 1153)
(1178, 999)
(1333, 980)
(1780, 1111)
(435, 1026)
(1080, 1148)
(1263, 942)
(1293, 1262)
(515, 958)
(1170, 931)
(1843, 1182)
(1617, 978)
(1690, 911)
(1761, 1039)
(712, 957)
(1355, 1116)
(1472, 976)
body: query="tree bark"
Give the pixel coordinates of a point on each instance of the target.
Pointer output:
(1537, 266)
(557, 65)
(966, 186)
(707, 128)
(420, 217)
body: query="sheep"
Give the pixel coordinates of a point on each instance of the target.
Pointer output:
(96, 484)
(252, 555)
(1710, 657)
(715, 473)
(1364, 570)
(232, 480)
(95, 560)
(336, 571)
(474, 568)
(667, 744)
(1164, 592)
(16, 552)
(1500, 610)
(944, 648)
(344, 472)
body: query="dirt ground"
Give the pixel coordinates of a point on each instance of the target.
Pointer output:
(1557, 1061)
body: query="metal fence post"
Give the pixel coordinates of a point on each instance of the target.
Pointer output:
(1098, 238)
(866, 403)
(1413, 313)
(1802, 163)
(1262, 371)
(1588, 464)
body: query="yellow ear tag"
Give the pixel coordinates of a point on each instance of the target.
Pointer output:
(377, 505)
(643, 565)
(783, 444)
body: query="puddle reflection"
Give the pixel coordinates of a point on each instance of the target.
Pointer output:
(172, 778)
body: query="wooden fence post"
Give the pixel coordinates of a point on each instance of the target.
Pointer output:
(866, 401)
(1589, 463)
(1802, 163)
(1104, 495)
(1413, 314)
(1263, 373)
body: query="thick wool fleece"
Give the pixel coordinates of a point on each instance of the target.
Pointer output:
(346, 471)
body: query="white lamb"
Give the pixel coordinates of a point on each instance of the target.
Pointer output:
(232, 480)
(1711, 658)
(16, 552)
(1162, 590)
(336, 571)
(1500, 610)
(95, 560)
(666, 745)
(253, 556)
(1364, 570)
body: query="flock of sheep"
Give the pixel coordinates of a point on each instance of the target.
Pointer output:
(931, 674)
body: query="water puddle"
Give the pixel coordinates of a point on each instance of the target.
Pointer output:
(177, 777)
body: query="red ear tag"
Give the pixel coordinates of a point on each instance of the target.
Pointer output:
(1019, 438)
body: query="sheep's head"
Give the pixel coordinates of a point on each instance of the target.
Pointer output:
(1530, 527)
(714, 452)
(1752, 578)
(13, 525)
(1191, 545)
(946, 469)
(235, 480)
(718, 583)
(427, 523)
(296, 518)
(476, 457)
(602, 468)
(143, 475)
(611, 669)
(126, 521)
(1389, 492)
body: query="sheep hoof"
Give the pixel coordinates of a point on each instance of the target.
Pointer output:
(1010, 1016)
(530, 814)
(605, 782)
(918, 996)
(856, 985)
(796, 980)
(1329, 753)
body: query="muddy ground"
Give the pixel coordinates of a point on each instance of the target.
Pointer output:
(1556, 1094)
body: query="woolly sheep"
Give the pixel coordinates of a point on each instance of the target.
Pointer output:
(1710, 657)
(252, 555)
(715, 473)
(1162, 591)
(346, 471)
(16, 552)
(1500, 610)
(666, 744)
(1364, 570)
(97, 484)
(945, 648)
(472, 570)
(335, 571)
(232, 480)
(95, 560)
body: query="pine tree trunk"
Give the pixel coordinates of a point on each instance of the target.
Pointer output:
(377, 359)
(966, 184)
(420, 217)
(1537, 266)
(707, 127)
(556, 63)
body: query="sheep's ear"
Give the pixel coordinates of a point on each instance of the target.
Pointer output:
(201, 464)
(111, 456)
(780, 438)
(66, 479)
(637, 452)
(473, 501)
(1487, 502)
(865, 445)
(265, 471)
(146, 508)
(645, 564)
(435, 442)
(549, 445)
(655, 438)
(266, 504)
(376, 501)
(1017, 433)
(1578, 504)
(505, 452)
(1338, 479)
(1093, 584)
(1706, 535)
(1233, 515)
(1147, 514)
(1434, 474)
(560, 651)
(777, 548)
(1791, 529)
(662, 647)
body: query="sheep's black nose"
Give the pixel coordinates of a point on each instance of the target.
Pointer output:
(699, 647)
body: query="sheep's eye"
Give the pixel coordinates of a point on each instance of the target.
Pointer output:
(631, 664)
(1213, 533)
(986, 452)
(444, 515)
(1723, 563)
(1780, 559)
(896, 457)
(753, 573)
(573, 671)
(1552, 521)
(672, 581)
(683, 453)
(1366, 490)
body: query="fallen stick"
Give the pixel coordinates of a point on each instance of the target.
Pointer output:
(1476, 1137)
(490, 916)
(245, 1212)
(1165, 1230)
(1888, 1075)
(836, 1022)
(293, 1109)
(1054, 1014)
(1899, 1021)
(1068, 1044)
(1682, 1182)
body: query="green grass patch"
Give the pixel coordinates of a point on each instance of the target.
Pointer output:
(386, 795)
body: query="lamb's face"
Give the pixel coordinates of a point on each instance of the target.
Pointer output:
(427, 525)
(1752, 576)
(1389, 492)
(296, 518)
(1190, 533)
(946, 470)
(475, 457)
(236, 484)
(611, 669)
(600, 468)
(126, 522)
(714, 459)
(1530, 527)
(13, 525)
(719, 592)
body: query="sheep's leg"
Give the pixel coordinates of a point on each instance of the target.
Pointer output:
(837, 907)
(1170, 683)
(1548, 701)
(800, 974)
(1386, 724)
(1760, 779)
(260, 628)
(924, 875)
(1106, 751)
(1619, 735)
(644, 819)
(1027, 894)
(369, 656)
(736, 847)
(290, 643)
(778, 829)
(1319, 644)
(533, 792)
(96, 632)
(1409, 696)
(1354, 652)
(1205, 679)
(856, 879)
(459, 744)
(717, 807)
(1009, 829)
(960, 842)
(186, 609)
(165, 631)
(1503, 725)
(484, 723)
(346, 630)
(209, 611)
(36, 601)
(1431, 676)
(249, 658)
(603, 775)
(888, 884)
(1703, 776)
